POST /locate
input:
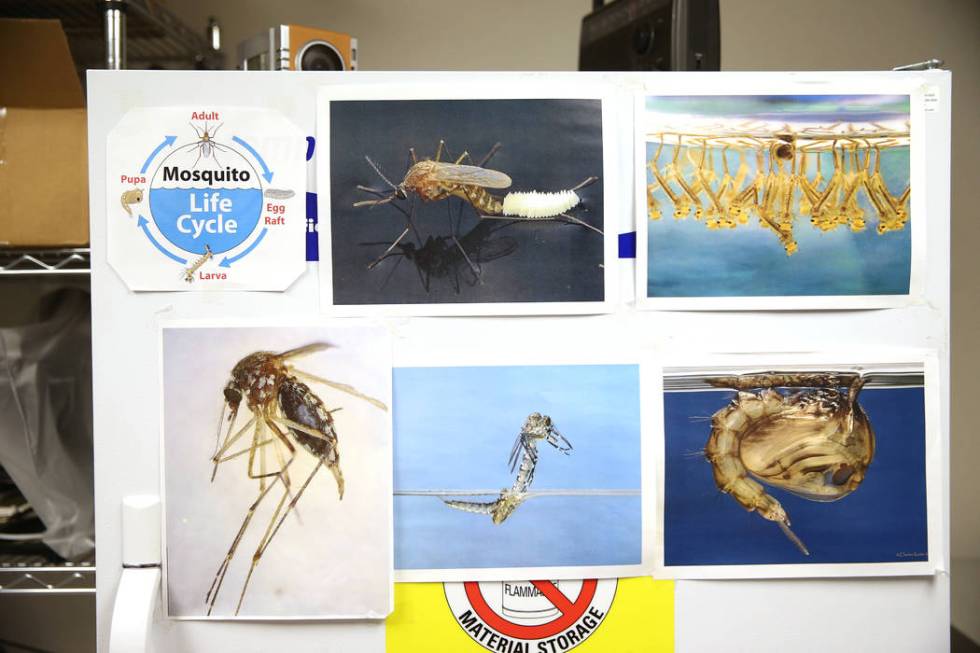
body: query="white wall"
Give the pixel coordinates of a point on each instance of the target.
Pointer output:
(756, 35)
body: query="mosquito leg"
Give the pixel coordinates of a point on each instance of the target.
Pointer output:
(378, 260)
(332, 447)
(373, 191)
(390, 199)
(423, 279)
(308, 430)
(280, 475)
(292, 504)
(271, 531)
(489, 155)
(262, 475)
(343, 387)
(228, 442)
(258, 551)
(270, 423)
(462, 251)
(373, 203)
(581, 222)
(454, 279)
(242, 452)
(285, 477)
(219, 577)
(198, 156)
(586, 182)
(391, 273)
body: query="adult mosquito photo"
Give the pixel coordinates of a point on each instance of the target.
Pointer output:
(251, 415)
(466, 201)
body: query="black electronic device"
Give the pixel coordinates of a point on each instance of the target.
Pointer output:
(651, 35)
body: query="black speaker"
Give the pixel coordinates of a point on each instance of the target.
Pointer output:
(651, 35)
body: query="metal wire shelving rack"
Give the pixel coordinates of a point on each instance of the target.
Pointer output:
(119, 34)
(114, 34)
(67, 261)
(36, 574)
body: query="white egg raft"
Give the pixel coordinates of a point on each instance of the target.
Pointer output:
(537, 206)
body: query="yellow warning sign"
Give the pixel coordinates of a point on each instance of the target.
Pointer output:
(633, 615)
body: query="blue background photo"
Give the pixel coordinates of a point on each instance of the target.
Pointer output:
(454, 429)
(883, 520)
(685, 259)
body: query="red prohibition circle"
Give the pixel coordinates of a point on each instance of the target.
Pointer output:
(570, 611)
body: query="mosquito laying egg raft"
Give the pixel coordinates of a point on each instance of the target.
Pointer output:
(539, 205)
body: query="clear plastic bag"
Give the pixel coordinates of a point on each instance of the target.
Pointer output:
(46, 419)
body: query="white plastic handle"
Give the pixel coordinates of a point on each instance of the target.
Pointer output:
(139, 584)
(132, 614)
(141, 530)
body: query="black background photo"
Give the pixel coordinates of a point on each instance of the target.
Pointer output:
(546, 146)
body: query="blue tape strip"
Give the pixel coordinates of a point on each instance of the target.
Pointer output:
(312, 243)
(310, 147)
(627, 245)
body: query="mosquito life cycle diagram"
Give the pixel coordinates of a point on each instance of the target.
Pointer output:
(208, 199)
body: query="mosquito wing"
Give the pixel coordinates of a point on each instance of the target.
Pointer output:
(472, 175)
(515, 452)
(492, 249)
(482, 247)
(305, 350)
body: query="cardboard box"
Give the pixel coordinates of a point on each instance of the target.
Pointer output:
(43, 153)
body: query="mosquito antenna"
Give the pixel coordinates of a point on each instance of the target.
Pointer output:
(380, 174)
(221, 422)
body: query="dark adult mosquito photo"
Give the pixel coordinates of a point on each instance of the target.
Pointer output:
(466, 201)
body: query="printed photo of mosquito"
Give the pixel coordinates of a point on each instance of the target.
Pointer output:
(537, 428)
(433, 180)
(286, 417)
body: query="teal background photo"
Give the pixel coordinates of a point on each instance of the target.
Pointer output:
(686, 259)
